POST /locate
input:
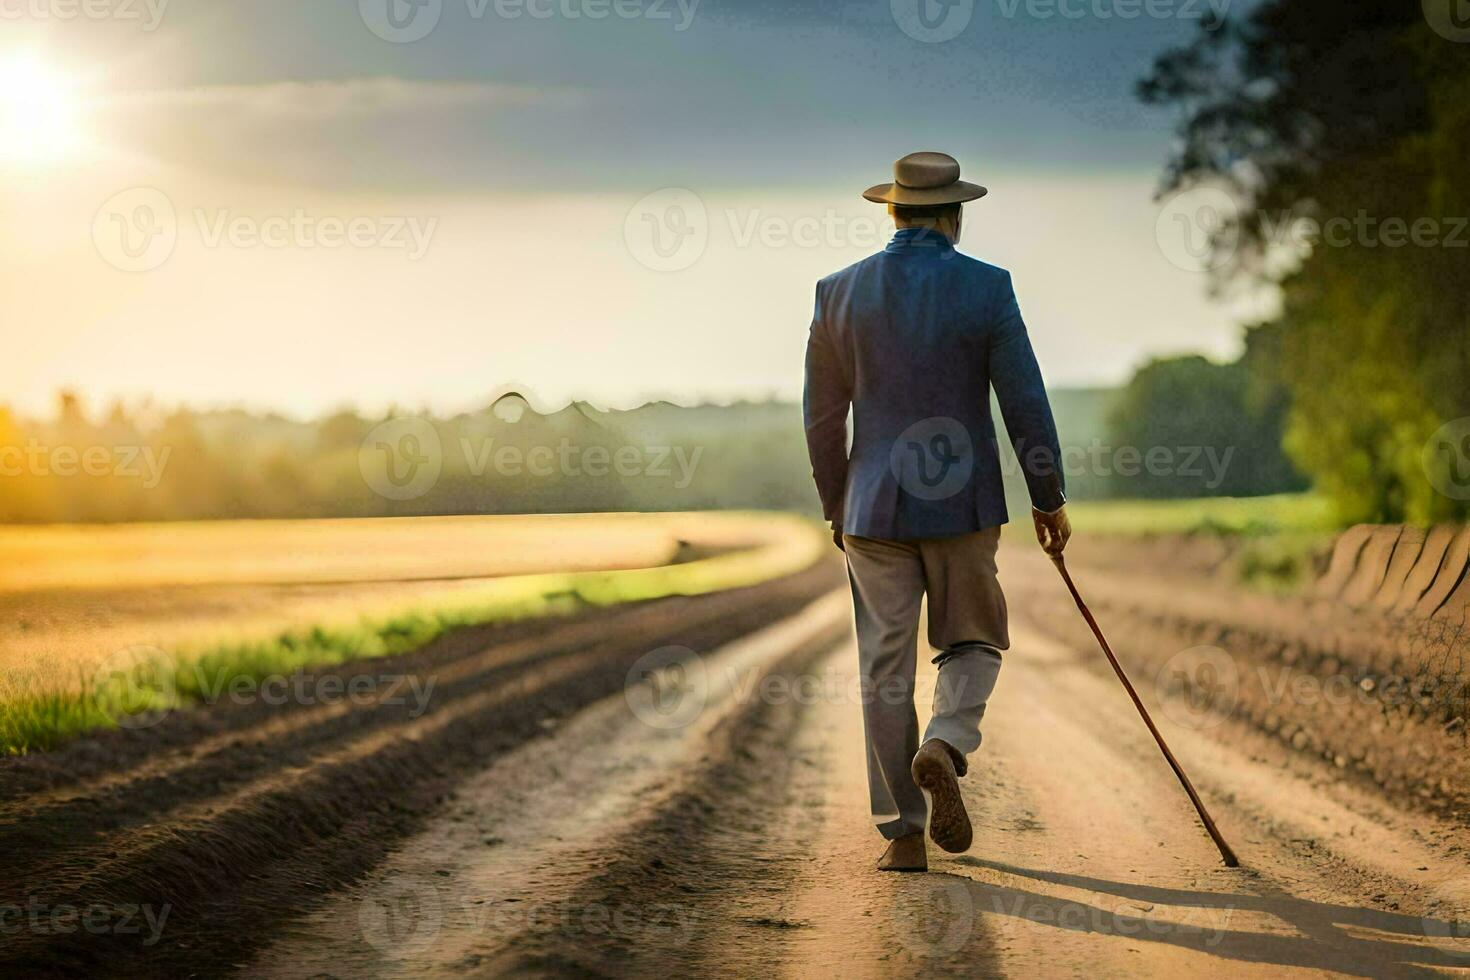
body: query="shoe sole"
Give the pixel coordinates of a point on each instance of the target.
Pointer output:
(949, 824)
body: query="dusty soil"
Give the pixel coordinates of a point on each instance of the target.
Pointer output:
(572, 805)
(235, 818)
(1382, 698)
(742, 847)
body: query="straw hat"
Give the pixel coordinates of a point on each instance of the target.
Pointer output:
(924, 180)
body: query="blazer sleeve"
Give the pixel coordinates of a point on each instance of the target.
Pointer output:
(826, 398)
(1021, 393)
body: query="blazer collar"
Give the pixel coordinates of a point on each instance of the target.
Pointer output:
(919, 239)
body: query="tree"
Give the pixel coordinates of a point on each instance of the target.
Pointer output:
(1353, 114)
(1183, 404)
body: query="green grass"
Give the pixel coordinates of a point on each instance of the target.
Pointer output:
(1303, 513)
(138, 689)
(1277, 542)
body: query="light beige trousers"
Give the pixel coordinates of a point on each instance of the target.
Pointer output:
(967, 625)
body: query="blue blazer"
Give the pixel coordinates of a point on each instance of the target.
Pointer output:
(912, 339)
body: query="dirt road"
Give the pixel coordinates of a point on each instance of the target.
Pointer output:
(700, 809)
(738, 845)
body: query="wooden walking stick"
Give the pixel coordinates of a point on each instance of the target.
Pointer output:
(1225, 852)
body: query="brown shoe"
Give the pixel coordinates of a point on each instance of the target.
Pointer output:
(933, 769)
(906, 853)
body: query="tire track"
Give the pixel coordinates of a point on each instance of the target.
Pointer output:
(610, 815)
(258, 849)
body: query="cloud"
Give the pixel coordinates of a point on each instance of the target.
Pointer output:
(366, 132)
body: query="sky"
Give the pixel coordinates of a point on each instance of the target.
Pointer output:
(302, 205)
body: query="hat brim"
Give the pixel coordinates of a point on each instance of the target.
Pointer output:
(957, 193)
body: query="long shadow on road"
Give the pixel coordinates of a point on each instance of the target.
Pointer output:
(1401, 945)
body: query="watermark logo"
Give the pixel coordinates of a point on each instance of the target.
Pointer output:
(409, 691)
(401, 459)
(410, 235)
(668, 230)
(938, 921)
(136, 230)
(401, 21)
(932, 21)
(135, 686)
(1211, 12)
(677, 464)
(667, 688)
(36, 459)
(37, 918)
(1450, 19)
(1198, 229)
(401, 919)
(1446, 459)
(1446, 919)
(149, 13)
(1203, 925)
(1198, 687)
(406, 21)
(933, 459)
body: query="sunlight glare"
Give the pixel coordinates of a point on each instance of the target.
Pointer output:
(38, 112)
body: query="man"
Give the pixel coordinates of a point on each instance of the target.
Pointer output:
(912, 340)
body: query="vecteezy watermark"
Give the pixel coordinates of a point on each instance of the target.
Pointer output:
(670, 229)
(933, 459)
(40, 918)
(136, 686)
(1198, 687)
(402, 917)
(1205, 924)
(1303, 232)
(308, 689)
(667, 688)
(566, 458)
(932, 21)
(406, 21)
(403, 459)
(667, 230)
(1199, 229)
(143, 463)
(623, 920)
(935, 919)
(807, 689)
(1446, 459)
(936, 21)
(1446, 919)
(1211, 12)
(137, 230)
(1450, 19)
(148, 13)
(1208, 464)
(401, 21)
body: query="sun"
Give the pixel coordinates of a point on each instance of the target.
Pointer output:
(39, 112)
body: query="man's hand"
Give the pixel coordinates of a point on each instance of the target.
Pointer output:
(1052, 530)
(837, 538)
